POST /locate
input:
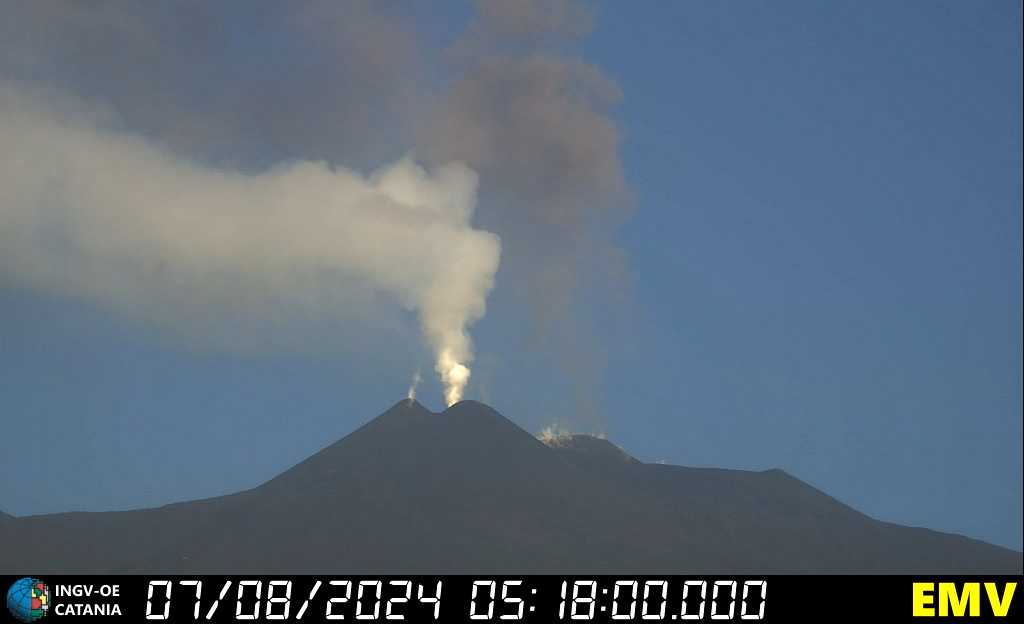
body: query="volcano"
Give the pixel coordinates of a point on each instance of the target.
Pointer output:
(468, 491)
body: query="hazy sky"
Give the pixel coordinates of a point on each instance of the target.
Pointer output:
(746, 235)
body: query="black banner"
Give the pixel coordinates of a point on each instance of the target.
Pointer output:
(528, 599)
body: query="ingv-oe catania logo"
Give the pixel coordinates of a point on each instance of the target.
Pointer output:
(28, 599)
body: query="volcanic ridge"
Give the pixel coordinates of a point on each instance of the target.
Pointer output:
(468, 491)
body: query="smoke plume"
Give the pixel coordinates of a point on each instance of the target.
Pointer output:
(534, 120)
(109, 216)
(317, 89)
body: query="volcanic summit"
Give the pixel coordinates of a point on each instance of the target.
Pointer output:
(468, 491)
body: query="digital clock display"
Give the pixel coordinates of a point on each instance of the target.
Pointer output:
(453, 599)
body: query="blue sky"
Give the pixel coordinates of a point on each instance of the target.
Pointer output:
(824, 276)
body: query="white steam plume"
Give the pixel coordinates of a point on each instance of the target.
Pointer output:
(116, 219)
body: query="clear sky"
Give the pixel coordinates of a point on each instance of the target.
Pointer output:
(824, 275)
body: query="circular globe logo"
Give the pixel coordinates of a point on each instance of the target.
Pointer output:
(28, 599)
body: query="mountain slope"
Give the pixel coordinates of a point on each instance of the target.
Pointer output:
(467, 490)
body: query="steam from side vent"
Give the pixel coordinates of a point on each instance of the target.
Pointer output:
(114, 218)
(554, 435)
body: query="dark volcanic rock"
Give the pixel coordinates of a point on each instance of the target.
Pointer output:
(467, 490)
(592, 450)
